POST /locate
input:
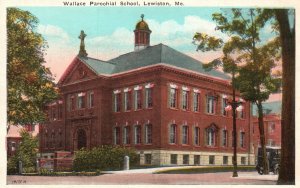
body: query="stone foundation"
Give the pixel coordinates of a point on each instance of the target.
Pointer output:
(163, 158)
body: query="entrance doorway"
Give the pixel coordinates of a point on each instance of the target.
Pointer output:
(81, 138)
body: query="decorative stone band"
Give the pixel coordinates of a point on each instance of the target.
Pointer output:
(127, 90)
(196, 90)
(184, 88)
(117, 91)
(81, 94)
(174, 86)
(149, 85)
(137, 87)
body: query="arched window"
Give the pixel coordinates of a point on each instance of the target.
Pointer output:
(211, 133)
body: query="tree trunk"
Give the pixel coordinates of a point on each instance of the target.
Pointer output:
(287, 36)
(261, 127)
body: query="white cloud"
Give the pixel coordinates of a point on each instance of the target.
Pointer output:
(53, 31)
(174, 34)
(62, 48)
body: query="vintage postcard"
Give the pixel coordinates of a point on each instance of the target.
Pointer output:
(148, 93)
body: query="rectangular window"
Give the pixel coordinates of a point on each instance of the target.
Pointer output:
(271, 142)
(173, 158)
(185, 159)
(117, 102)
(196, 99)
(53, 109)
(127, 100)
(224, 138)
(211, 159)
(185, 134)
(137, 134)
(225, 160)
(224, 104)
(148, 134)
(126, 135)
(91, 99)
(72, 103)
(173, 132)
(210, 104)
(173, 98)
(196, 159)
(148, 159)
(241, 111)
(197, 136)
(138, 99)
(243, 160)
(117, 135)
(242, 139)
(81, 100)
(149, 97)
(60, 111)
(185, 100)
(271, 127)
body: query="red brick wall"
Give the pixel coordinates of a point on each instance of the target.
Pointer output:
(102, 119)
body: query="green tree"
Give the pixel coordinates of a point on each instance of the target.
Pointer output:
(26, 152)
(30, 83)
(256, 58)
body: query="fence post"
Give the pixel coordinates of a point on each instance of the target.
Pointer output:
(20, 167)
(126, 163)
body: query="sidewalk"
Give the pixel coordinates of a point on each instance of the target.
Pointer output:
(148, 170)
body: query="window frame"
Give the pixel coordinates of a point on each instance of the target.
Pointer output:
(173, 134)
(149, 97)
(211, 104)
(185, 100)
(137, 134)
(148, 134)
(224, 138)
(185, 135)
(197, 136)
(196, 101)
(173, 97)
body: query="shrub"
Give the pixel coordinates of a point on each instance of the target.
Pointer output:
(29, 170)
(103, 158)
(26, 153)
(12, 167)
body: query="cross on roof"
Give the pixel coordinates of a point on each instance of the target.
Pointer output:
(82, 51)
(142, 16)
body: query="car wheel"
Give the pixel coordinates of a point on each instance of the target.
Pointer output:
(260, 171)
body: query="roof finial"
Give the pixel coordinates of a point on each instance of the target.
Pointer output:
(82, 51)
(142, 16)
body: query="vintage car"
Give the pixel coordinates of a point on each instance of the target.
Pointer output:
(273, 156)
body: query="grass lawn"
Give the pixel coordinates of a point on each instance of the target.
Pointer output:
(199, 169)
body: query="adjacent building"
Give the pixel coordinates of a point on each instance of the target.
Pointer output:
(272, 124)
(155, 99)
(13, 137)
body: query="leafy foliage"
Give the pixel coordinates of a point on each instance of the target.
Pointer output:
(30, 83)
(26, 152)
(103, 158)
(246, 57)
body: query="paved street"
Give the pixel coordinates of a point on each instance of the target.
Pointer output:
(145, 176)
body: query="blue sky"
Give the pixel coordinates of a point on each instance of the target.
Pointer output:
(110, 30)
